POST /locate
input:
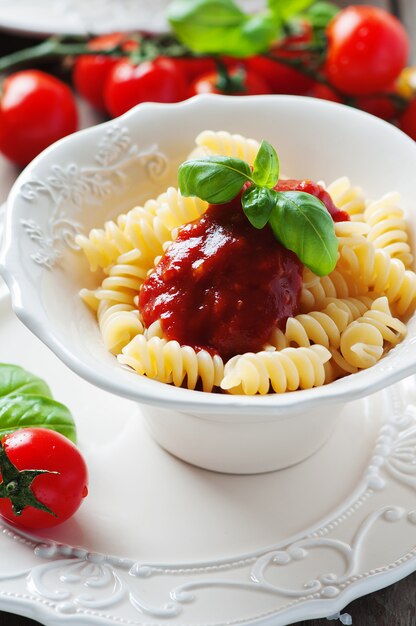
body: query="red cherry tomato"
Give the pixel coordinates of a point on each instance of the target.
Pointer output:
(367, 49)
(192, 67)
(151, 81)
(36, 109)
(324, 92)
(62, 493)
(407, 121)
(245, 82)
(380, 106)
(282, 78)
(91, 71)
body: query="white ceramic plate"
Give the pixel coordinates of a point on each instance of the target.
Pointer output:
(80, 17)
(160, 542)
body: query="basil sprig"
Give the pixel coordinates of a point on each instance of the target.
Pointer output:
(221, 27)
(299, 220)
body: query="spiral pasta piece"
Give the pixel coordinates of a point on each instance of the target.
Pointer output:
(122, 284)
(168, 362)
(174, 209)
(104, 245)
(286, 370)
(144, 229)
(355, 307)
(118, 323)
(392, 329)
(361, 344)
(356, 257)
(377, 272)
(349, 199)
(335, 285)
(226, 144)
(388, 227)
(319, 327)
(365, 340)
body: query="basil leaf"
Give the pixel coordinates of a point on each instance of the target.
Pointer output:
(16, 380)
(23, 411)
(216, 179)
(302, 224)
(258, 203)
(255, 36)
(220, 27)
(266, 166)
(321, 13)
(286, 9)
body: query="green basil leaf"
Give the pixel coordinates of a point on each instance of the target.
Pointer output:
(23, 411)
(16, 380)
(302, 224)
(256, 35)
(321, 13)
(266, 166)
(258, 204)
(286, 9)
(220, 27)
(216, 179)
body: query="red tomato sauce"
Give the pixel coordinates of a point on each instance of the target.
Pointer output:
(308, 186)
(222, 285)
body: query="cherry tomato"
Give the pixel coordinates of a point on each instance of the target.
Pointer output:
(284, 78)
(407, 121)
(91, 71)
(367, 49)
(151, 81)
(36, 109)
(379, 105)
(192, 67)
(323, 92)
(61, 492)
(245, 82)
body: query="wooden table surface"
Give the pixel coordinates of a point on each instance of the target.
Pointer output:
(395, 605)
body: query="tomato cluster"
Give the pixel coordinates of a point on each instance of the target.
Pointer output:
(363, 64)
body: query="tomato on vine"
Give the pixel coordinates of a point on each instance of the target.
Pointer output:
(380, 105)
(159, 80)
(283, 78)
(91, 71)
(237, 81)
(324, 92)
(43, 478)
(367, 49)
(192, 67)
(36, 109)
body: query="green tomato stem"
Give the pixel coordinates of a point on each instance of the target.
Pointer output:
(16, 485)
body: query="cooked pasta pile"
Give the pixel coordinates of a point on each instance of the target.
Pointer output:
(348, 319)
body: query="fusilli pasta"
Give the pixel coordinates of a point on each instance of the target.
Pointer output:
(225, 144)
(349, 199)
(345, 323)
(169, 362)
(388, 228)
(285, 370)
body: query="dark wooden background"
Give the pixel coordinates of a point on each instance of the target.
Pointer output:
(395, 605)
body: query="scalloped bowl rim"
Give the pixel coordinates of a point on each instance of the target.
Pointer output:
(350, 388)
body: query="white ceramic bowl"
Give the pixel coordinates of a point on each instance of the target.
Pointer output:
(98, 173)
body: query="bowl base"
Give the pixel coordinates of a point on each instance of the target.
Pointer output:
(231, 445)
